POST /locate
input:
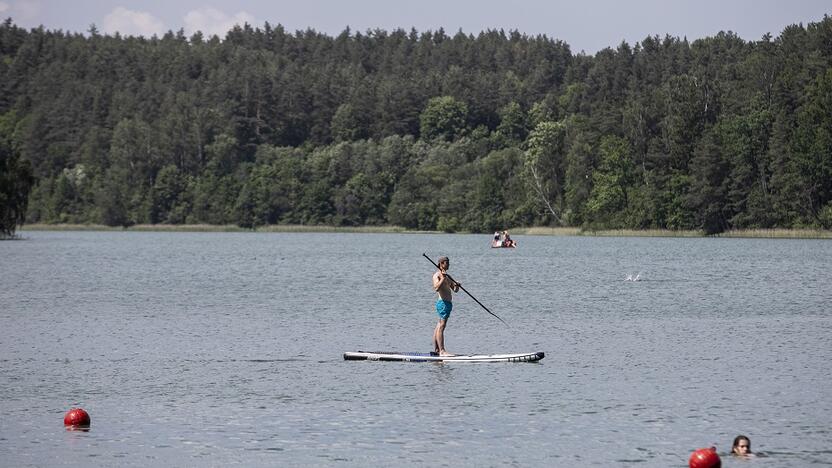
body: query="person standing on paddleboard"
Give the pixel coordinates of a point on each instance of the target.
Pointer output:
(444, 287)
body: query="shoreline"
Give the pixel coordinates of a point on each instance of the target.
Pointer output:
(528, 231)
(216, 228)
(776, 233)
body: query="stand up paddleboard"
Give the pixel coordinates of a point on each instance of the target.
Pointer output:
(432, 357)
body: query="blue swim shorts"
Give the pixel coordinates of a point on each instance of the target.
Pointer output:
(443, 309)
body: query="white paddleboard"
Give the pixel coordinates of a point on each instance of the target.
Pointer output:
(432, 357)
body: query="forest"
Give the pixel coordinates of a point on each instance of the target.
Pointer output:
(424, 130)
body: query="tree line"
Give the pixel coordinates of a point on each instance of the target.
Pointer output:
(423, 130)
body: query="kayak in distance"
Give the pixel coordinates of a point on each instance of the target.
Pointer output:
(433, 357)
(502, 240)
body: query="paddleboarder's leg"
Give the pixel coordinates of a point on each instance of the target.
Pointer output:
(440, 337)
(443, 310)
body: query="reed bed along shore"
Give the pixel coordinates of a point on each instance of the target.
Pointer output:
(529, 231)
(739, 233)
(780, 233)
(574, 231)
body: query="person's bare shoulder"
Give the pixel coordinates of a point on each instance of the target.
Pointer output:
(437, 277)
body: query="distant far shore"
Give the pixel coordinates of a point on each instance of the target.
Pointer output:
(214, 228)
(530, 231)
(739, 233)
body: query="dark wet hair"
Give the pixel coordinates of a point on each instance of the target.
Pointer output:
(737, 440)
(442, 259)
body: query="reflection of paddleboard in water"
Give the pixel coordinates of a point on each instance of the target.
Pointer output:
(433, 357)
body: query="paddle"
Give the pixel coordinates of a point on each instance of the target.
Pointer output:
(466, 292)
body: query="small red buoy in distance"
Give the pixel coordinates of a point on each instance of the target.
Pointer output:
(705, 458)
(77, 417)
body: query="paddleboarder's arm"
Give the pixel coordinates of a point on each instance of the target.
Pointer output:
(438, 280)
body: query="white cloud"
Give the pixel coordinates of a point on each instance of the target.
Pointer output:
(132, 23)
(212, 21)
(4, 7)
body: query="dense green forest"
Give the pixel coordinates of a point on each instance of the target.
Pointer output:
(423, 130)
(15, 184)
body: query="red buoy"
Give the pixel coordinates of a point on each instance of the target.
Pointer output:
(77, 417)
(705, 458)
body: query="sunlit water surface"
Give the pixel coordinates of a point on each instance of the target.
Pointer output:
(217, 349)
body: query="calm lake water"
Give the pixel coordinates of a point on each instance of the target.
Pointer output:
(215, 349)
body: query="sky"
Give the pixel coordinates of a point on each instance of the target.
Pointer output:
(586, 25)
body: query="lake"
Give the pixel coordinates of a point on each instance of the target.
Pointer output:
(216, 349)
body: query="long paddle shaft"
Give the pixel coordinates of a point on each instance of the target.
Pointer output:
(466, 292)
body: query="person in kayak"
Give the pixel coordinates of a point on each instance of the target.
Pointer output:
(497, 242)
(507, 240)
(444, 287)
